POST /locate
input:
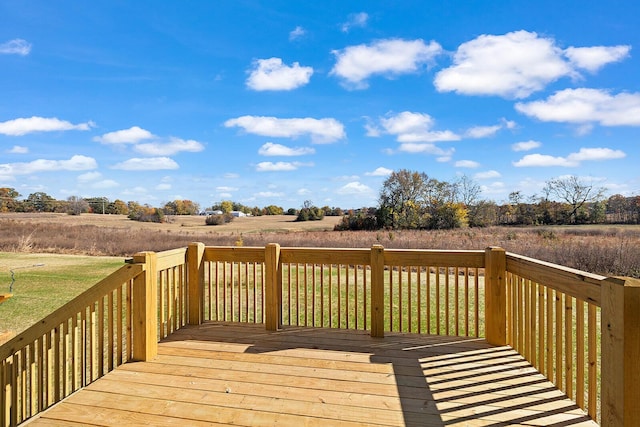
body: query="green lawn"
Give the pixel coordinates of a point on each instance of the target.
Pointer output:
(44, 282)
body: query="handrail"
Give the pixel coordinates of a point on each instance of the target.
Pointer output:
(53, 320)
(108, 324)
(579, 284)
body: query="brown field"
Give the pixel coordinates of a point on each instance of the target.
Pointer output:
(178, 223)
(603, 249)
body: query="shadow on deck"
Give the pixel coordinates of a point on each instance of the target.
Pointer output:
(230, 374)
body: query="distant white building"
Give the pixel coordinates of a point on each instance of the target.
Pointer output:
(238, 214)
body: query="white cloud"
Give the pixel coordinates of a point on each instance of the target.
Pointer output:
(542, 160)
(525, 145)
(107, 183)
(411, 147)
(588, 154)
(271, 149)
(572, 160)
(89, 176)
(508, 124)
(495, 188)
(354, 188)
(296, 33)
(487, 175)
(513, 65)
(467, 164)
(226, 189)
(389, 57)
(356, 20)
(23, 126)
(584, 106)
(147, 164)
(345, 178)
(75, 163)
(163, 187)
(18, 149)
(482, 131)
(595, 57)
(371, 129)
(280, 166)
(272, 74)
(133, 135)
(380, 172)
(415, 127)
(15, 47)
(320, 130)
(478, 132)
(269, 194)
(175, 145)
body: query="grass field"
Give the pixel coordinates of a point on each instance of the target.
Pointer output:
(44, 282)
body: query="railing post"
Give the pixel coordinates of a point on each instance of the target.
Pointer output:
(195, 283)
(377, 291)
(273, 287)
(145, 308)
(495, 296)
(620, 352)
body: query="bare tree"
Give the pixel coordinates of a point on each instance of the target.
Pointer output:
(77, 205)
(575, 192)
(467, 191)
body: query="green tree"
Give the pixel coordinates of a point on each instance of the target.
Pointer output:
(9, 199)
(485, 214)
(98, 205)
(309, 212)
(273, 210)
(401, 195)
(618, 207)
(40, 202)
(118, 207)
(597, 212)
(134, 209)
(449, 216)
(226, 206)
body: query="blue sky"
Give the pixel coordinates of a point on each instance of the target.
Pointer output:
(278, 102)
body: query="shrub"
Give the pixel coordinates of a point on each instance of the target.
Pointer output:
(310, 214)
(362, 220)
(148, 215)
(218, 219)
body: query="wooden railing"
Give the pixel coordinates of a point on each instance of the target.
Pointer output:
(119, 319)
(580, 330)
(436, 292)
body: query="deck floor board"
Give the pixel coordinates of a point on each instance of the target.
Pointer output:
(228, 374)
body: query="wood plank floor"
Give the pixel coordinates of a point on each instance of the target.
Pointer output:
(222, 374)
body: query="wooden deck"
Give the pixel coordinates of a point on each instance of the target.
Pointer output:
(222, 374)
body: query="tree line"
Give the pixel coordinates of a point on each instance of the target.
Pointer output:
(413, 200)
(12, 201)
(407, 200)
